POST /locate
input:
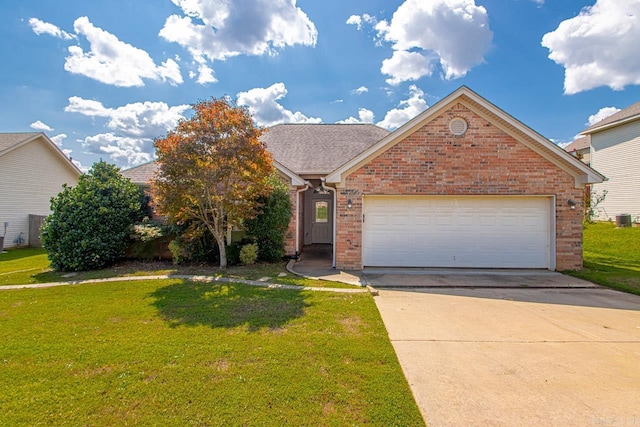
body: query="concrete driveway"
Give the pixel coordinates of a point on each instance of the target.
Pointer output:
(506, 356)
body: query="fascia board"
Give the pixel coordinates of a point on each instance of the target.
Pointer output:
(295, 179)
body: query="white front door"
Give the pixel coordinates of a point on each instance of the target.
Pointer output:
(458, 231)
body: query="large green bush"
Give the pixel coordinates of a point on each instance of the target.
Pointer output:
(193, 244)
(90, 222)
(269, 227)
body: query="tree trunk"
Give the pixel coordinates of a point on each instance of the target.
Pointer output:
(222, 249)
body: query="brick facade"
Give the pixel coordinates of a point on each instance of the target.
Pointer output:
(290, 235)
(484, 161)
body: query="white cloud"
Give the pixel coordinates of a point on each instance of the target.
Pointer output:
(602, 114)
(360, 90)
(263, 105)
(599, 47)
(410, 108)
(364, 116)
(359, 20)
(221, 29)
(41, 27)
(132, 128)
(114, 62)
(38, 125)
(406, 66)
(58, 141)
(205, 75)
(140, 119)
(453, 33)
(124, 151)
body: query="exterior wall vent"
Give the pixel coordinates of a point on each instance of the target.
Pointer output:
(458, 126)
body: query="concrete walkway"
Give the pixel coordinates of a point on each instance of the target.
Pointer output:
(315, 263)
(206, 279)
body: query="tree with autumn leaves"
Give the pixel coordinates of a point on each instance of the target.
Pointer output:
(212, 170)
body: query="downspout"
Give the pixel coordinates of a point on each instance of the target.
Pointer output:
(335, 211)
(306, 187)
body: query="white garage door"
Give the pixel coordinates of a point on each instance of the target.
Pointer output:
(453, 231)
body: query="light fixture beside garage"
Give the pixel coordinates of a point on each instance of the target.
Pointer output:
(458, 126)
(349, 204)
(572, 204)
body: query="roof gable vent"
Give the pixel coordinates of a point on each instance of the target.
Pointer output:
(458, 126)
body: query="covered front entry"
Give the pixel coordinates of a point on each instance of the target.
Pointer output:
(318, 218)
(458, 231)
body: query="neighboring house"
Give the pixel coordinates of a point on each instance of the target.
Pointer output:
(580, 149)
(32, 170)
(462, 185)
(615, 150)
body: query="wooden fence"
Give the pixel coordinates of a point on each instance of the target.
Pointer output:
(35, 222)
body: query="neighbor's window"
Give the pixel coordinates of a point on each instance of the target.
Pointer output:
(322, 212)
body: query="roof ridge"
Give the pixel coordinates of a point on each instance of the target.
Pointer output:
(626, 113)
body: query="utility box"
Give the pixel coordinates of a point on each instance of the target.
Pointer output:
(623, 220)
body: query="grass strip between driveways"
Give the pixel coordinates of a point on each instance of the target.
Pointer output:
(611, 256)
(173, 352)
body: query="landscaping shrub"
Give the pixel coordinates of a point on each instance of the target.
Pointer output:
(193, 244)
(148, 241)
(249, 254)
(268, 228)
(90, 223)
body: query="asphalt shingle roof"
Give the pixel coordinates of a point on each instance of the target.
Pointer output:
(319, 148)
(8, 140)
(578, 144)
(141, 174)
(631, 111)
(302, 148)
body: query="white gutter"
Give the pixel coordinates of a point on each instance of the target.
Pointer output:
(306, 187)
(335, 211)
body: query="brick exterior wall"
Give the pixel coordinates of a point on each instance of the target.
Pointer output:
(290, 235)
(483, 161)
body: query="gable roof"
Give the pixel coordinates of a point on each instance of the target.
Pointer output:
(141, 174)
(579, 144)
(317, 149)
(13, 141)
(300, 149)
(581, 172)
(623, 116)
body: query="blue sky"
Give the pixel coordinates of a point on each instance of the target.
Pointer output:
(103, 79)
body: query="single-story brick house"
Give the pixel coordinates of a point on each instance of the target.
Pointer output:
(461, 185)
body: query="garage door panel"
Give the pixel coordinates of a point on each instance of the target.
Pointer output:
(481, 232)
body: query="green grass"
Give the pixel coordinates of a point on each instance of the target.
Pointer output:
(170, 352)
(24, 266)
(611, 256)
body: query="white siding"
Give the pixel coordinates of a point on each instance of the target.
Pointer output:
(29, 176)
(616, 154)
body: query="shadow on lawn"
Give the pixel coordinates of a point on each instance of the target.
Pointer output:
(228, 305)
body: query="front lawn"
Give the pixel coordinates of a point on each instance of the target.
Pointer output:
(171, 352)
(611, 256)
(30, 265)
